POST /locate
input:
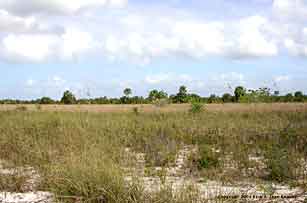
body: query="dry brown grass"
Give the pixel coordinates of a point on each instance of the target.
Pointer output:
(82, 154)
(259, 107)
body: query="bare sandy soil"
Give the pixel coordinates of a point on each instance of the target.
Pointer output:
(177, 178)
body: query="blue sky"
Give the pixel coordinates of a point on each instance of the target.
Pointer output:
(99, 47)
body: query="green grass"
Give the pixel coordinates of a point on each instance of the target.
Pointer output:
(79, 154)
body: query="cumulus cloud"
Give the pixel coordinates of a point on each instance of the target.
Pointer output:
(36, 48)
(11, 23)
(138, 40)
(187, 38)
(75, 42)
(171, 36)
(253, 38)
(140, 37)
(67, 7)
(15, 24)
(297, 46)
(290, 9)
(42, 47)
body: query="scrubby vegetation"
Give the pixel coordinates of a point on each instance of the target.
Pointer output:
(80, 155)
(160, 97)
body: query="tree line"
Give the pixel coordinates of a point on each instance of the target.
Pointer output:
(160, 97)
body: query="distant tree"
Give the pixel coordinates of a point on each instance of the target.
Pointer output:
(194, 98)
(288, 97)
(239, 92)
(46, 100)
(276, 93)
(127, 92)
(162, 95)
(157, 95)
(213, 99)
(227, 98)
(298, 96)
(183, 90)
(182, 95)
(153, 95)
(68, 98)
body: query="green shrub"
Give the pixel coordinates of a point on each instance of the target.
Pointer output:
(207, 157)
(280, 164)
(196, 107)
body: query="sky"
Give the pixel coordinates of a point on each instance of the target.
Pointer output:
(99, 47)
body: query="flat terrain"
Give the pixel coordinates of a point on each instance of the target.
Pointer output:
(113, 153)
(261, 107)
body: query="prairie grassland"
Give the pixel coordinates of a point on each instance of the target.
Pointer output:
(228, 107)
(80, 155)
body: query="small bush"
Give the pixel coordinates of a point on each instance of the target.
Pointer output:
(136, 110)
(280, 164)
(196, 107)
(207, 158)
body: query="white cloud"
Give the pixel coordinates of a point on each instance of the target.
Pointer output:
(253, 41)
(290, 9)
(31, 7)
(143, 38)
(10, 23)
(156, 79)
(56, 81)
(297, 45)
(199, 39)
(39, 48)
(138, 37)
(32, 48)
(118, 3)
(76, 42)
(281, 78)
(229, 80)
(163, 78)
(30, 82)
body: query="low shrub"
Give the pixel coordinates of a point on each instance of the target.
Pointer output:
(196, 107)
(207, 157)
(280, 164)
(136, 110)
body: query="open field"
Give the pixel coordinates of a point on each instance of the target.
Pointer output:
(259, 107)
(167, 154)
